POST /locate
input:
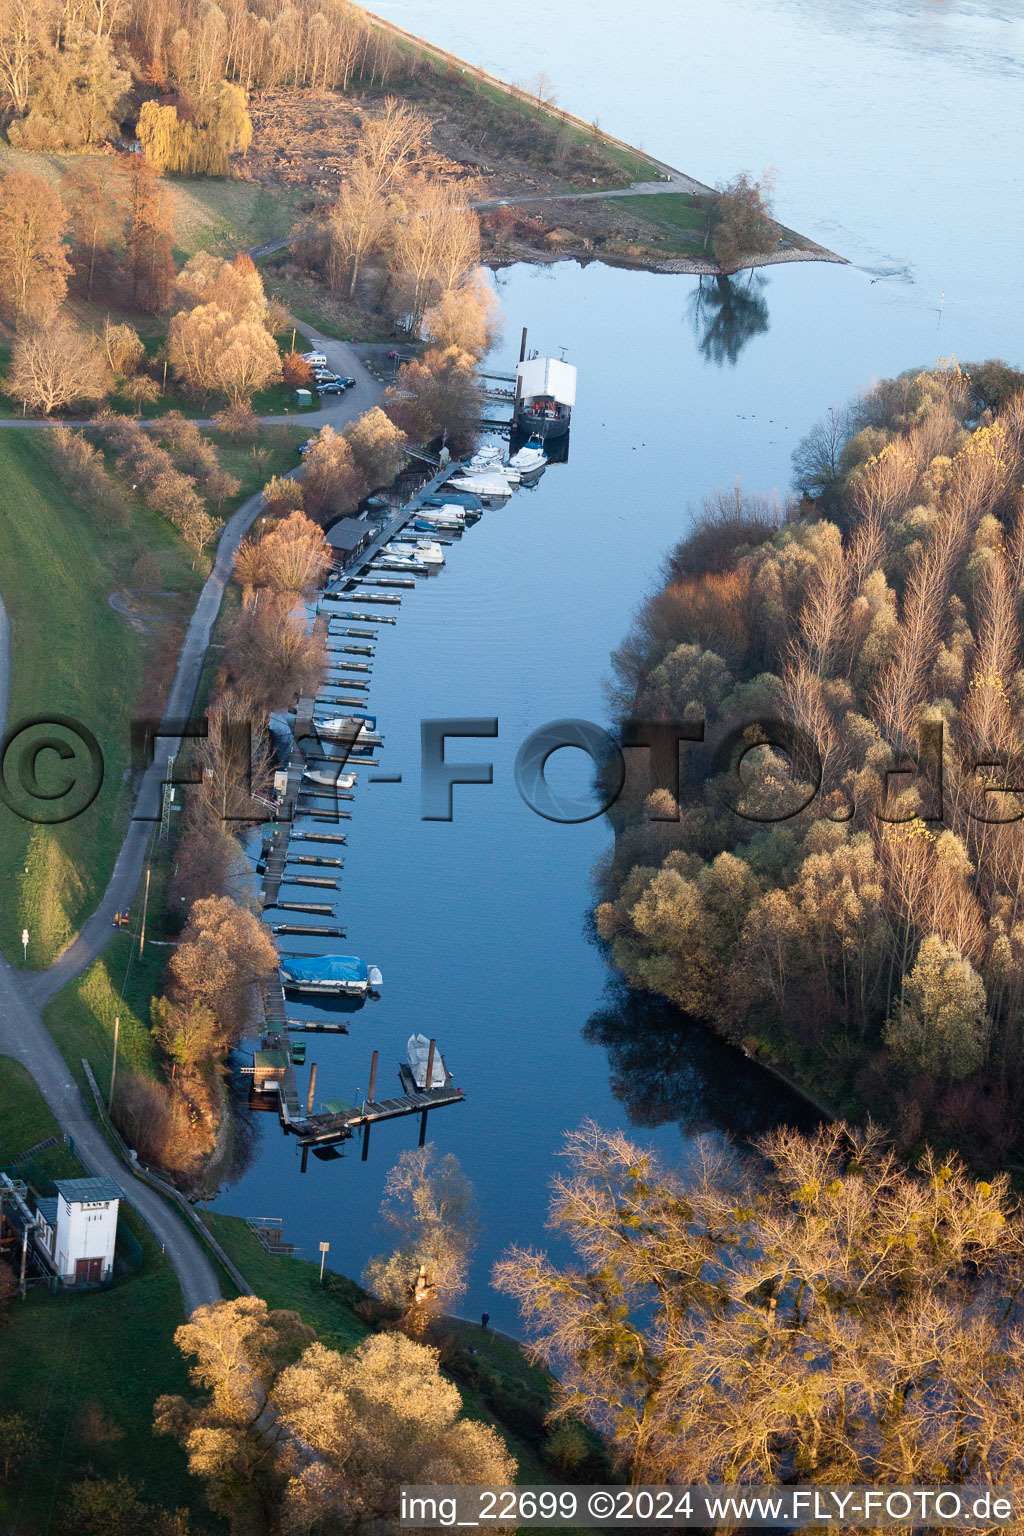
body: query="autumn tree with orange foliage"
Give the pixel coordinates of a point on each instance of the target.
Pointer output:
(34, 267)
(436, 396)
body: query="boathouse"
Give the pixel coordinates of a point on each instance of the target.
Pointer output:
(348, 537)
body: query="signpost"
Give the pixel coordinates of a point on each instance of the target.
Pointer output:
(324, 1249)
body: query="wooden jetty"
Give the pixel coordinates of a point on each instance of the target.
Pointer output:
(309, 930)
(360, 618)
(335, 815)
(349, 666)
(339, 1123)
(350, 650)
(358, 634)
(327, 882)
(315, 858)
(375, 597)
(320, 837)
(390, 581)
(278, 851)
(312, 908)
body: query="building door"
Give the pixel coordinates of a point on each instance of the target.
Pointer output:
(88, 1271)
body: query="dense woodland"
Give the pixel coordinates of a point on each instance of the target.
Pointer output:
(873, 941)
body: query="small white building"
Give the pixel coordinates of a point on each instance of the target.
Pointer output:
(77, 1230)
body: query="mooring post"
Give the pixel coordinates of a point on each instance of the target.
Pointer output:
(312, 1089)
(373, 1079)
(430, 1066)
(522, 346)
(423, 1127)
(305, 1156)
(366, 1137)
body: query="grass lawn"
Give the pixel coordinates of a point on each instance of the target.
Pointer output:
(676, 219)
(329, 313)
(63, 1358)
(26, 1121)
(81, 1017)
(72, 654)
(278, 400)
(292, 1284)
(219, 214)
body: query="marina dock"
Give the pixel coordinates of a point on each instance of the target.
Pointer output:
(289, 860)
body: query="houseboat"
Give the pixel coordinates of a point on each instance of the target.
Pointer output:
(545, 396)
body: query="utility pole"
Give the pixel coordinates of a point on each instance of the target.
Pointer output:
(145, 904)
(324, 1247)
(113, 1065)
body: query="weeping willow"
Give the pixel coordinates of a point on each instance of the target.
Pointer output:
(202, 145)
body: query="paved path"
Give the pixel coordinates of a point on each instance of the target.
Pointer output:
(677, 182)
(24, 994)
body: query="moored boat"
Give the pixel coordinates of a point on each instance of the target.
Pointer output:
(328, 780)
(328, 975)
(530, 458)
(488, 487)
(344, 727)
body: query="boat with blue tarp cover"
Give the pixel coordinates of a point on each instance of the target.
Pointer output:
(329, 975)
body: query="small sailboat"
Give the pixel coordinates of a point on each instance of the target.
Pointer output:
(417, 1053)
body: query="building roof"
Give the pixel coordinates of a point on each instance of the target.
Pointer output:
(269, 1059)
(548, 376)
(86, 1191)
(48, 1210)
(348, 533)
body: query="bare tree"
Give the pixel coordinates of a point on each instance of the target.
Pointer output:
(56, 365)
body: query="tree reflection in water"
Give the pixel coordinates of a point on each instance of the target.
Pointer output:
(665, 1066)
(726, 314)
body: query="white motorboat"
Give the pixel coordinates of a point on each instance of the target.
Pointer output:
(329, 779)
(344, 727)
(530, 458)
(492, 487)
(485, 465)
(392, 558)
(451, 512)
(426, 550)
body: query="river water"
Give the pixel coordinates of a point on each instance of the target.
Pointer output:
(891, 130)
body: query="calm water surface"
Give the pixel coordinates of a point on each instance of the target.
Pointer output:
(890, 127)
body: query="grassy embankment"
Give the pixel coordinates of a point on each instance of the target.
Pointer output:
(71, 653)
(85, 1369)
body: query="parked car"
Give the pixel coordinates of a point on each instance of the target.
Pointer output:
(308, 446)
(324, 376)
(315, 359)
(336, 386)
